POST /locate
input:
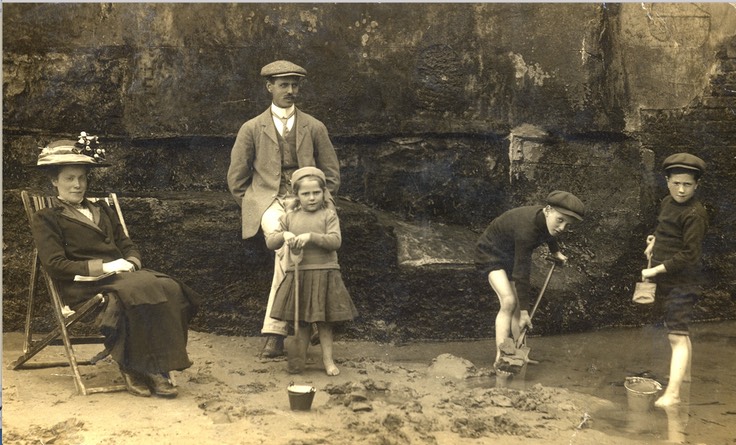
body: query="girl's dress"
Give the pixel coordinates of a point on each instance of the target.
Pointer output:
(322, 293)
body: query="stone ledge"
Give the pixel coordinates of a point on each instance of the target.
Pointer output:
(434, 245)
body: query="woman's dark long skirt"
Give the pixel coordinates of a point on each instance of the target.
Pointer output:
(149, 337)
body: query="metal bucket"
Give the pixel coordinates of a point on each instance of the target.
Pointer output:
(641, 392)
(301, 397)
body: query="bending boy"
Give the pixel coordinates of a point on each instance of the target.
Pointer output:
(504, 255)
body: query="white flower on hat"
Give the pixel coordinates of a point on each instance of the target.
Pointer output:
(70, 152)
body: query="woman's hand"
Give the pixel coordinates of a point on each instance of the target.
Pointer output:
(119, 265)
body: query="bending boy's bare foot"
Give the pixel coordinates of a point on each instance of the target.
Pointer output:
(330, 367)
(666, 401)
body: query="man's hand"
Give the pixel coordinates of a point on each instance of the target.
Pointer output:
(525, 321)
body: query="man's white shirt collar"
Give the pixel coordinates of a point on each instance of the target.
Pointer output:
(278, 114)
(281, 112)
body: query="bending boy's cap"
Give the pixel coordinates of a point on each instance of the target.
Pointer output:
(684, 160)
(282, 68)
(307, 171)
(567, 204)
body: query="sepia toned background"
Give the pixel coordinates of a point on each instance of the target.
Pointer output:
(443, 117)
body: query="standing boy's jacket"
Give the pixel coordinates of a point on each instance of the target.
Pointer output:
(255, 172)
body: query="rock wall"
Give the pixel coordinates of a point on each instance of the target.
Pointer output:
(156, 70)
(443, 116)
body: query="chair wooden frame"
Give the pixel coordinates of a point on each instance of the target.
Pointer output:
(64, 320)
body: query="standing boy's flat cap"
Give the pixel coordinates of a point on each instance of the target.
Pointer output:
(567, 204)
(684, 160)
(282, 68)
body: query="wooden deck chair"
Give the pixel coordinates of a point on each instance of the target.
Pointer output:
(65, 318)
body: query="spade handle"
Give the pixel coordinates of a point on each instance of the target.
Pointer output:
(522, 337)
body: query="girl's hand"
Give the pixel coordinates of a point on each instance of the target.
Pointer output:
(288, 237)
(300, 241)
(559, 257)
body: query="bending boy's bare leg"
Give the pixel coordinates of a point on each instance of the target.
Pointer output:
(325, 339)
(679, 364)
(508, 307)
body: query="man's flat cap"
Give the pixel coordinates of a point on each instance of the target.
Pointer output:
(567, 204)
(684, 160)
(282, 68)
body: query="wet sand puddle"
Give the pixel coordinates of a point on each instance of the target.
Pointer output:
(598, 364)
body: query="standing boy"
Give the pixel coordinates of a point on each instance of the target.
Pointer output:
(675, 250)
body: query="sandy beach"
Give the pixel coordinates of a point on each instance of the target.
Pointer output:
(418, 393)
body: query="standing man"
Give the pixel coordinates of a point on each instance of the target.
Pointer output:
(267, 150)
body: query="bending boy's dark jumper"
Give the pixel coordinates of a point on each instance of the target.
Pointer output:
(504, 256)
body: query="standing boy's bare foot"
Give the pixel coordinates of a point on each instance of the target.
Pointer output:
(666, 401)
(330, 367)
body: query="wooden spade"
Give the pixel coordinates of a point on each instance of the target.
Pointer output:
(522, 350)
(295, 355)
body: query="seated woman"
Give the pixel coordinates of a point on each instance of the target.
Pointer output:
(146, 315)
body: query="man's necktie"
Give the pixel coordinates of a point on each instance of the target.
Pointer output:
(284, 120)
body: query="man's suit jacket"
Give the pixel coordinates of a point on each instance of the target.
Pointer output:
(255, 163)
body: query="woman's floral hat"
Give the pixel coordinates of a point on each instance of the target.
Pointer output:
(84, 151)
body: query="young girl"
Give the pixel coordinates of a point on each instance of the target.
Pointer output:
(504, 256)
(312, 231)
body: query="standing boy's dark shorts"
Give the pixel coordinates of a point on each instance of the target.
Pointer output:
(677, 296)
